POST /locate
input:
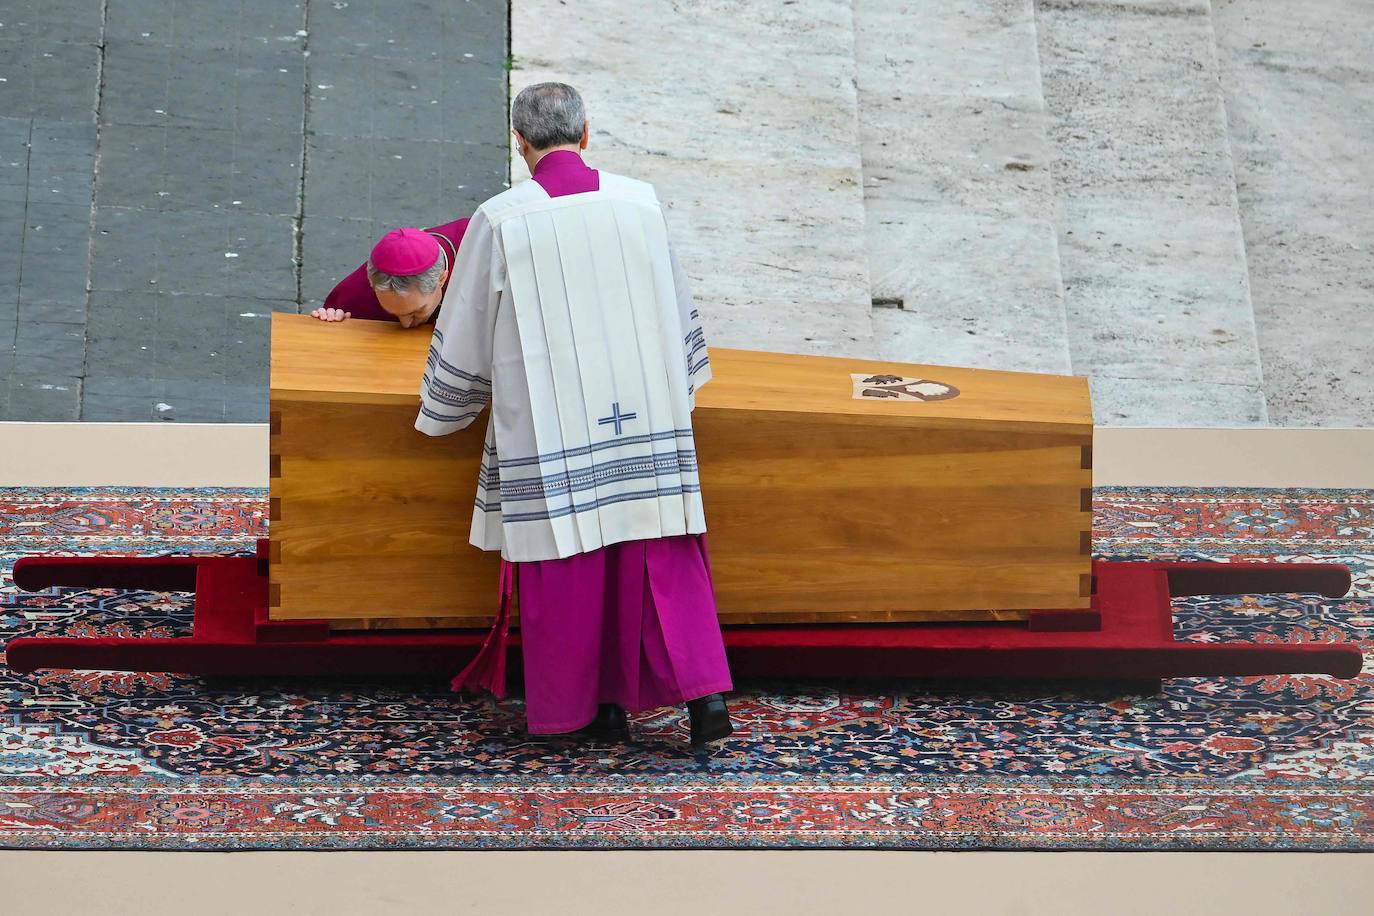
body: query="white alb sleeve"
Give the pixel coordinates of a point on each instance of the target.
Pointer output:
(457, 378)
(694, 339)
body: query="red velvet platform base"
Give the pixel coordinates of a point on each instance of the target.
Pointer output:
(1126, 635)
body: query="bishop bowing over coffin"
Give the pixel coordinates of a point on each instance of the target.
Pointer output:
(569, 314)
(403, 280)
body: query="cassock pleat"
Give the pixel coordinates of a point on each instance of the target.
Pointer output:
(487, 670)
(551, 401)
(642, 308)
(633, 624)
(567, 350)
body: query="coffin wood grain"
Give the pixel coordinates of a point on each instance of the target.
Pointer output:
(819, 506)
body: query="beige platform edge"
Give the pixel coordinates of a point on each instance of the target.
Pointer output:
(235, 455)
(681, 882)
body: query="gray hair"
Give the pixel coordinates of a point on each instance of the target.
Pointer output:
(548, 114)
(426, 281)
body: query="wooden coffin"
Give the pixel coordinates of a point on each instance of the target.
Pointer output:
(836, 490)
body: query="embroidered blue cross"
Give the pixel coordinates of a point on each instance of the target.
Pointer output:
(616, 417)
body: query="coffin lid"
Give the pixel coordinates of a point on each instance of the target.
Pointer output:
(379, 362)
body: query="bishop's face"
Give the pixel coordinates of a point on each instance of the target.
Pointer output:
(412, 308)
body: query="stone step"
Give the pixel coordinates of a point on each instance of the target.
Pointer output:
(743, 116)
(961, 222)
(1298, 78)
(1156, 286)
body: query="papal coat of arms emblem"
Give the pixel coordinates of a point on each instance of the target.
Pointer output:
(901, 388)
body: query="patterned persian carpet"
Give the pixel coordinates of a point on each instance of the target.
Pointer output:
(92, 759)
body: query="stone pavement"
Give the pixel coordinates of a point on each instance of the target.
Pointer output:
(1170, 197)
(750, 143)
(174, 171)
(1153, 258)
(1037, 185)
(962, 215)
(1299, 84)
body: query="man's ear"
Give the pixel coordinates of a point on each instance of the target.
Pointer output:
(443, 276)
(586, 133)
(520, 143)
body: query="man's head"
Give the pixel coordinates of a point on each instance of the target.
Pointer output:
(407, 270)
(545, 117)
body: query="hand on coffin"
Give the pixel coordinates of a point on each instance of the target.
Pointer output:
(325, 314)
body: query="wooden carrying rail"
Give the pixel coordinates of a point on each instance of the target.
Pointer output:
(232, 635)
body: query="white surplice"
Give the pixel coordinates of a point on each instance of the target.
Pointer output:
(573, 318)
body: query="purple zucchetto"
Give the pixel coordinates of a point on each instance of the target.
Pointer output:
(405, 252)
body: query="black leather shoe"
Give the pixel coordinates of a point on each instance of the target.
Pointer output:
(610, 722)
(710, 718)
